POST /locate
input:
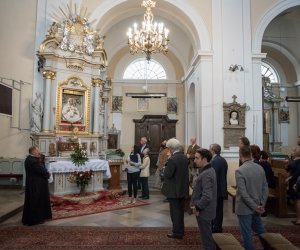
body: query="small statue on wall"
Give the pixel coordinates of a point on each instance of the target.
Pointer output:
(93, 148)
(234, 118)
(234, 122)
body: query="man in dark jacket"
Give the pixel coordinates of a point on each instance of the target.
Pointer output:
(37, 207)
(221, 167)
(176, 186)
(204, 197)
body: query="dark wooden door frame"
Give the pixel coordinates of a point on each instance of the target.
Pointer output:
(156, 128)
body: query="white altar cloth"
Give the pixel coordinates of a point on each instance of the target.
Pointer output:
(61, 170)
(68, 166)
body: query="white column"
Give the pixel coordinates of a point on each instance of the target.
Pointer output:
(254, 117)
(204, 106)
(105, 122)
(96, 83)
(48, 76)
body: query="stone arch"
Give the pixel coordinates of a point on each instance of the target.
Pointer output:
(266, 19)
(202, 35)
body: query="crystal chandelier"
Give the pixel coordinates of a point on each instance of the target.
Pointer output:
(152, 37)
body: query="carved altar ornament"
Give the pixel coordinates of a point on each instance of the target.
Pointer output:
(71, 39)
(97, 82)
(105, 99)
(48, 74)
(73, 106)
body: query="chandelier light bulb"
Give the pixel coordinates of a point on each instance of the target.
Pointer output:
(152, 37)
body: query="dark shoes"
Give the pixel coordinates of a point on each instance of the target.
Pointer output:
(144, 197)
(175, 236)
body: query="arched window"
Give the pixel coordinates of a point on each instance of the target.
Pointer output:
(268, 71)
(143, 69)
(270, 77)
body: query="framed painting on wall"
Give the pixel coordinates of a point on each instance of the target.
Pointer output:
(171, 105)
(142, 104)
(72, 111)
(116, 103)
(284, 115)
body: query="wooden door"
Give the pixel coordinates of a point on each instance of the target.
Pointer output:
(156, 128)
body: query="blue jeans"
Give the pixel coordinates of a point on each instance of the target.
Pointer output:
(247, 224)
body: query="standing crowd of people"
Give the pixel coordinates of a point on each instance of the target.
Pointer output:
(199, 176)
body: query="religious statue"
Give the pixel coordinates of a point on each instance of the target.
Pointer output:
(70, 112)
(37, 113)
(93, 147)
(234, 118)
(52, 149)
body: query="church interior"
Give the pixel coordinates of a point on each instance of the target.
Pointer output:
(79, 73)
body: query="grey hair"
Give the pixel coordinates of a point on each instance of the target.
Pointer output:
(173, 144)
(146, 151)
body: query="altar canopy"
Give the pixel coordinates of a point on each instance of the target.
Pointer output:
(68, 167)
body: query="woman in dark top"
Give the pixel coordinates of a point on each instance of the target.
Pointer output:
(268, 169)
(133, 172)
(293, 193)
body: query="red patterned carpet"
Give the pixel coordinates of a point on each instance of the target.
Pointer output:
(74, 205)
(54, 237)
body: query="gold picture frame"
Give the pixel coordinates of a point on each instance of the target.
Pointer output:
(73, 106)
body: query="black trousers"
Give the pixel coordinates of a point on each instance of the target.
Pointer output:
(132, 183)
(145, 187)
(218, 221)
(177, 215)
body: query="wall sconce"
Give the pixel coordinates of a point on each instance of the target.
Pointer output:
(236, 67)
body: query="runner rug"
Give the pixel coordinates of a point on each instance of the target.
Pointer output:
(66, 237)
(73, 205)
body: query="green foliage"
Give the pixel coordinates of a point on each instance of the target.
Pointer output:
(79, 157)
(120, 152)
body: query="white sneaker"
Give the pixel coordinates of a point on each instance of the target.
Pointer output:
(130, 200)
(134, 201)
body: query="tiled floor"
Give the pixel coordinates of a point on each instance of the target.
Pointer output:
(156, 214)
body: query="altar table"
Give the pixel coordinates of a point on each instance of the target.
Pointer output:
(61, 170)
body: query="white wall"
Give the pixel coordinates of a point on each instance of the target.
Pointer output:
(17, 25)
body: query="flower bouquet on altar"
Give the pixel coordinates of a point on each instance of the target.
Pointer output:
(79, 157)
(81, 178)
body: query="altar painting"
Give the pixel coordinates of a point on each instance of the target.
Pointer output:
(72, 106)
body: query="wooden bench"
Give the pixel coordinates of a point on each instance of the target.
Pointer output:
(275, 241)
(231, 191)
(226, 241)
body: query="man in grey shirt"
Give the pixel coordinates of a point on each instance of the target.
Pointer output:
(204, 197)
(251, 196)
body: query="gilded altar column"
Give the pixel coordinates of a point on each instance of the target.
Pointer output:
(96, 83)
(48, 76)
